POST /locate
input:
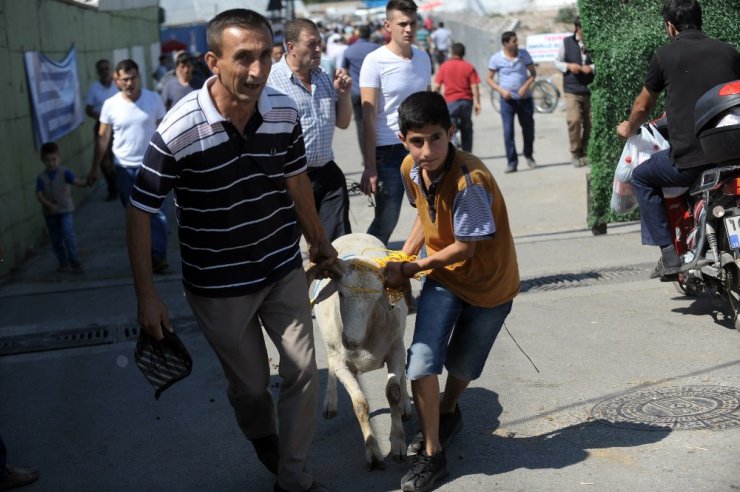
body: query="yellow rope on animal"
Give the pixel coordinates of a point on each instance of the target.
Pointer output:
(395, 295)
(397, 256)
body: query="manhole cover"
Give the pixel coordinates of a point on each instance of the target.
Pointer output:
(677, 408)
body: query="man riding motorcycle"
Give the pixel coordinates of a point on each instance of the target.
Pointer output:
(686, 68)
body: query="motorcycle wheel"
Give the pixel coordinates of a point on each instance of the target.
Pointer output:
(732, 289)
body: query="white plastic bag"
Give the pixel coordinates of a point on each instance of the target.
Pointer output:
(637, 149)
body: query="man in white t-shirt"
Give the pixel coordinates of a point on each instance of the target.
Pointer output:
(442, 42)
(131, 118)
(99, 91)
(388, 76)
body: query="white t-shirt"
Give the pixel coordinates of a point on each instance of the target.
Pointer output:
(133, 125)
(397, 78)
(442, 39)
(98, 93)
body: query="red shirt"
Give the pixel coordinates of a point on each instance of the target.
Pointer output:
(457, 76)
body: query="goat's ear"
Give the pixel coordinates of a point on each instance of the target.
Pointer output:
(311, 274)
(314, 272)
(341, 268)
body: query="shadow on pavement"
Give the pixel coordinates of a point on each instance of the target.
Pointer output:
(481, 447)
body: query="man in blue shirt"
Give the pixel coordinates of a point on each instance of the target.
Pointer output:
(353, 58)
(516, 75)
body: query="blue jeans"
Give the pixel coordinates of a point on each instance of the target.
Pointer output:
(62, 234)
(390, 193)
(648, 181)
(450, 332)
(125, 178)
(524, 111)
(461, 112)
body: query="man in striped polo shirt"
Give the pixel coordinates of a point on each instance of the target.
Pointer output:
(233, 153)
(323, 103)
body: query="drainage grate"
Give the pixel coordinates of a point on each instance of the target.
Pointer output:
(559, 281)
(673, 408)
(93, 334)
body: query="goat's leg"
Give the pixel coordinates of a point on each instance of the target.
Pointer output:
(373, 457)
(330, 398)
(397, 366)
(395, 391)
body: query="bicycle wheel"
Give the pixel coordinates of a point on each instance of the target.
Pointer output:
(496, 101)
(545, 96)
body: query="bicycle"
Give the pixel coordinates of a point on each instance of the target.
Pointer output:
(545, 96)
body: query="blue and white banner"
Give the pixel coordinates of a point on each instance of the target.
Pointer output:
(55, 95)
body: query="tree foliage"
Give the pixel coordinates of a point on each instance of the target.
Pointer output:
(622, 36)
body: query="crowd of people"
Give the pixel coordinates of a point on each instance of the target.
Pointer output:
(247, 149)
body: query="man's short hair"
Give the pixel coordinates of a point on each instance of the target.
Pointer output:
(683, 14)
(242, 18)
(49, 148)
(101, 62)
(295, 27)
(421, 109)
(184, 57)
(577, 21)
(364, 32)
(441, 24)
(127, 65)
(408, 7)
(506, 36)
(458, 49)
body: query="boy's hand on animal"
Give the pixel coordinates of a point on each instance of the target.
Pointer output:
(393, 275)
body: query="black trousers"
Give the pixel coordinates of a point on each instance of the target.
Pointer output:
(332, 199)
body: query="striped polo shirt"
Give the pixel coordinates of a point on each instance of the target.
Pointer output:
(236, 222)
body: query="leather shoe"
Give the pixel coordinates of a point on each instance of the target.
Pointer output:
(18, 477)
(268, 451)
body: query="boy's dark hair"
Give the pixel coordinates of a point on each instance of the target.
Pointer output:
(49, 148)
(295, 27)
(126, 66)
(683, 14)
(243, 18)
(458, 49)
(408, 7)
(421, 109)
(506, 36)
(101, 62)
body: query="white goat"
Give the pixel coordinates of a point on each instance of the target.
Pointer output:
(362, 332)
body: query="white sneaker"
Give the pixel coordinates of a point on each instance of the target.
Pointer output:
(531, 162)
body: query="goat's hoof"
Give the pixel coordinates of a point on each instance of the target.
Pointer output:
(375, 464)
(398, 452)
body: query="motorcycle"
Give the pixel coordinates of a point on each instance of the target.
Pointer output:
(705, 221)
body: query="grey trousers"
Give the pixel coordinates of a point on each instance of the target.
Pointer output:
(232, 327)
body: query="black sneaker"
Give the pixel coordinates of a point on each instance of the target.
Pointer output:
(268, 451)
(425, 472)
(449, 425)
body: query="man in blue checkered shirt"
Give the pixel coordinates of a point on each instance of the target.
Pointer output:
(323, 102)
